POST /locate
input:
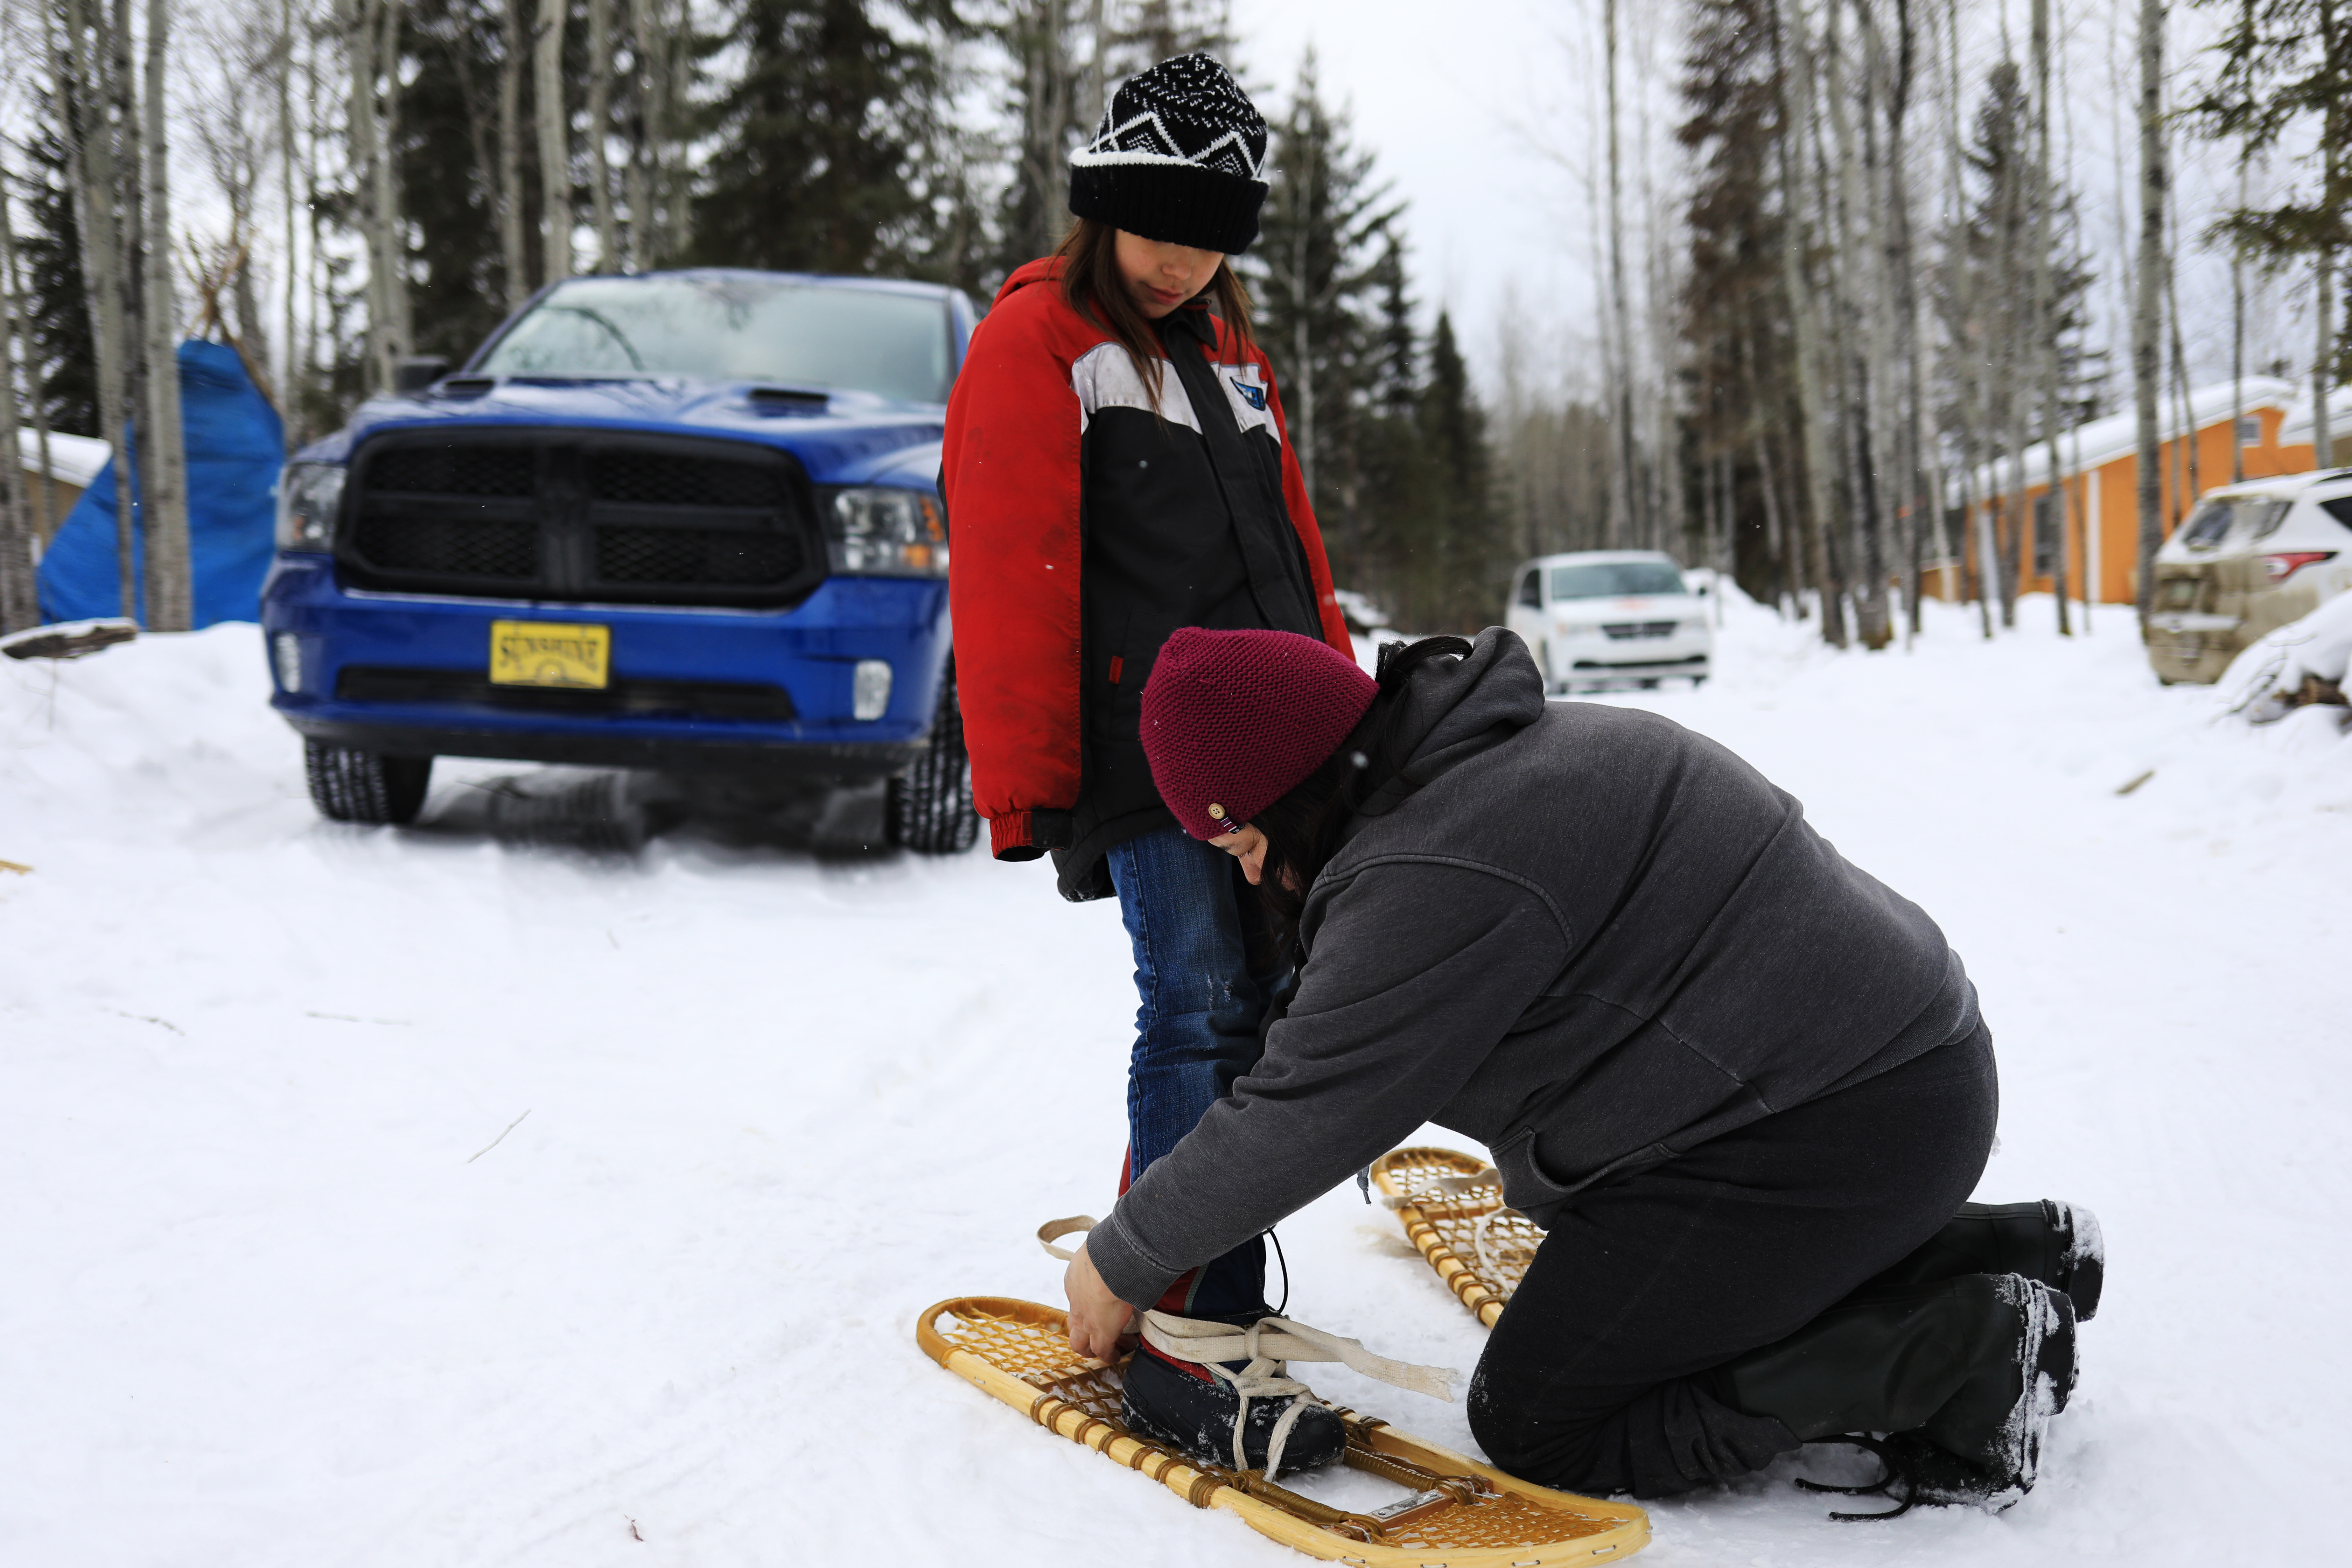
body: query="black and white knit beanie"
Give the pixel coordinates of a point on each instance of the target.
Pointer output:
(1180, 156)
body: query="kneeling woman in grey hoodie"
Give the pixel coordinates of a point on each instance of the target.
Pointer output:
(1742, 1084)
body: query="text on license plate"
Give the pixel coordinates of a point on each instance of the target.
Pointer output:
(550, 653)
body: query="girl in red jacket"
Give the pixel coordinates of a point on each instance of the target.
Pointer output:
(1118, 467)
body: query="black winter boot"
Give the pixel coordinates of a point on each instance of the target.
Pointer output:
(1195, 1415)
(2055, 1242)
(1966, 1371)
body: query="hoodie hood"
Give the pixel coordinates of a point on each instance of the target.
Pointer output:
(1044, 269)
(1452, 710)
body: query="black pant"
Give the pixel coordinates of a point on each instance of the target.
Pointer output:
(1594, 1379)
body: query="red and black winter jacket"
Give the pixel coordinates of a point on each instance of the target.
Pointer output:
(1090, 521)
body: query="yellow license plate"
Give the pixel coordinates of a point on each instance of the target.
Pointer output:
(550, 653)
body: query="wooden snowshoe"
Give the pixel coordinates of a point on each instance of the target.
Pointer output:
(1453, 1210)
(1459, 1513)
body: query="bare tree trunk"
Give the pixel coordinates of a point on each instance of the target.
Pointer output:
(2323, 362)
(1625, 522)
(2046, 329)
(2154, 183)
(1971, 392)
(512, 255)
(1849, 350)
(41, 501)
(2238, 344)
(1895, 480)
(1047, 115)
(600, 128)
(286, 377)
(82, 109)
(1921, 470)
(2323, 435)
(554, 144)
(20, 599)
(1796, 119)
(638, 178)
(2011, 374)
(378, 212)
(1097, 68)
(2187, 482)
(314, 252)
(170, 588)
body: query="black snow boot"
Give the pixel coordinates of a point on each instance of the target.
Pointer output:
(2055, 1242)
(1964, 1372)
(1195, 1411)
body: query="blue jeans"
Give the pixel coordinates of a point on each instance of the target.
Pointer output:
(1191, 917)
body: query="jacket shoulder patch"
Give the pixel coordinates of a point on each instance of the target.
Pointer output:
(1105, 377)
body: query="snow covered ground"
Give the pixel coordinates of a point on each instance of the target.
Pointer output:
(286, 1280)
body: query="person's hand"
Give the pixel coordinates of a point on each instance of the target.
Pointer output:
(1098, 1317)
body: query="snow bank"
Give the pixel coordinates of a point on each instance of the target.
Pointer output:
(2261, 683)
(427, 1196)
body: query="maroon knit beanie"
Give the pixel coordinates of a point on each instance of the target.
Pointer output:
(1235, 721)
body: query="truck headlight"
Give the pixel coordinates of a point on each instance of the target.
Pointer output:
(874, 531)
(308, 495)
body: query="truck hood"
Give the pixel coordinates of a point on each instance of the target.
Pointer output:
(841, 437)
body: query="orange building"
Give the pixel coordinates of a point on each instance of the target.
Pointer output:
(2099, 466)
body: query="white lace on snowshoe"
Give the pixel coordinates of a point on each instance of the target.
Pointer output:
(1265, 1347)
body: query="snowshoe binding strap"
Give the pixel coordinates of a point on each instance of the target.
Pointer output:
(1053, 1230)
(1265, 1347)
(1895, 1470)
(1279, 1340)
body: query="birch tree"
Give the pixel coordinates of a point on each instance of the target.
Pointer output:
(2154, 185)
(163, 472)
(81, 58)
(554, 143)
(600, 130)
(19, 603)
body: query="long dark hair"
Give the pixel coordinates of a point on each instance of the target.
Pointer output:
(1096, 290)
(1304, 829)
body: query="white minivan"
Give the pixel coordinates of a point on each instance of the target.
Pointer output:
(1599, 619)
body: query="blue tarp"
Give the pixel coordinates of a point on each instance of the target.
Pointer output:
(236, 446)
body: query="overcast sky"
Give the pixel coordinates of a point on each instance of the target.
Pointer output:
(1445, 95)
(1484, 114)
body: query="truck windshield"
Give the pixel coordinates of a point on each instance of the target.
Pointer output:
(732, 328)
(1615, 579)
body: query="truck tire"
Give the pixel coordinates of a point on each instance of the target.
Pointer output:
(928, 808)
(351, 785)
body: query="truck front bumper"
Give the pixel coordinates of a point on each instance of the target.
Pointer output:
(741, 690)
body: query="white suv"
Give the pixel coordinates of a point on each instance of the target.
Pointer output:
(2250, 559)
(1608, 619)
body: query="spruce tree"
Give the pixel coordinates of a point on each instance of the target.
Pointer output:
(818, 141)
(1736, 317)
(1316, 273)
(60, 357)
(1468, 552)
(447, 154)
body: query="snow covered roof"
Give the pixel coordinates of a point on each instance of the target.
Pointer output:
(2116, 436)
(2296, 428)
(75, 459)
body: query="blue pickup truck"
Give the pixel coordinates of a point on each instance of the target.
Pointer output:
(681, 520)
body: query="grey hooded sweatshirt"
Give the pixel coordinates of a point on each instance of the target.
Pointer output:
(1582, 935)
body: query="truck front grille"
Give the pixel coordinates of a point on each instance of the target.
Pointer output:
(580, 517)
(1634, 631)
(447, 547)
